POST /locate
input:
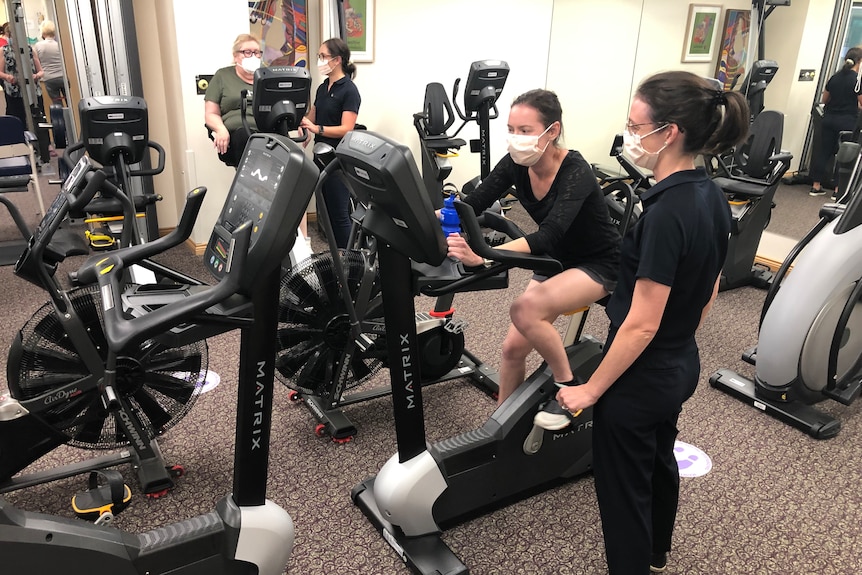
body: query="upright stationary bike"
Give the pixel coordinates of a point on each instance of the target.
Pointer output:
(425, 488)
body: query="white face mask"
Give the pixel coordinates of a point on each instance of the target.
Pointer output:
(324, 67)
(635, 150)
(250, 64)
(524, 149)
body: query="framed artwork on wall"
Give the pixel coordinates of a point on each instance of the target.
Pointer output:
(282, 27)
(733, 51)
(700, 33)
(359, 23)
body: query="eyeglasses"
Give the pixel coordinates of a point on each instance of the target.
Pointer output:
(250, 53)
(325, 57)
(632, 127)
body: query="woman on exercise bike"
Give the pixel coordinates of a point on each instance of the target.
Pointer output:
(557, 188)
(671, 266)
(223, 100)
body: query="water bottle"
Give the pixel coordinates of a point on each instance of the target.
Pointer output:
(449, 217)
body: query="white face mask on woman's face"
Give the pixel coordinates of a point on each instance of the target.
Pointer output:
(636, 151)
(324, 67)
(250, 64)
(524, 149)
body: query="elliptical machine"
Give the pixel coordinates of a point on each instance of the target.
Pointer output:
(246, 533)
(810, 344)
(425, 488)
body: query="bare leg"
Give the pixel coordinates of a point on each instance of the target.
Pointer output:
(535, 310)
(512, 367)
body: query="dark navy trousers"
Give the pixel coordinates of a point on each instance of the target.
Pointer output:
(636, 473)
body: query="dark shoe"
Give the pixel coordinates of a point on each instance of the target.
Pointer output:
(553, 417)
(658, 563)
(820, 192)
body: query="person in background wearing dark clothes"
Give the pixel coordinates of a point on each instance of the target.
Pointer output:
(334, 113)
(670, 267)
(842, 98)
(558, 189)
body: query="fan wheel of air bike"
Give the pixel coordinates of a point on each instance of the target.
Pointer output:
(314, 327)
(158, 383)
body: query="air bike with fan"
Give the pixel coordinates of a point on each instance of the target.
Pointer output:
(245, 533)
(332, 337)
(51, 362)
(55, 362)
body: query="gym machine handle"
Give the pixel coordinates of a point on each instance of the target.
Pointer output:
(88, 273)
(67, 159)
(503, 259)
(511, 259)
(121, 332)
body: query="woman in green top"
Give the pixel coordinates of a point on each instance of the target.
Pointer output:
(222, 100)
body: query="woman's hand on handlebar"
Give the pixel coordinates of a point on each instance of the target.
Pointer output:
(221, 139)
(461, 251)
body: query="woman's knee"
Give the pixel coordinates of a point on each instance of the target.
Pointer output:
(515, 347)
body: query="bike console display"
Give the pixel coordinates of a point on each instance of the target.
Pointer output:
(112, 125)
(280, 98)
(271, 189)
(485, 81)
(384, 176)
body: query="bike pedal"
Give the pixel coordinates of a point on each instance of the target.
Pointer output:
(105, 497)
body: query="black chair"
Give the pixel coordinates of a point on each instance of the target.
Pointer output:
(18, 171)
(750, 178)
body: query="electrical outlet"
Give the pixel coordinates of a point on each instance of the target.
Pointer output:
(806, 75)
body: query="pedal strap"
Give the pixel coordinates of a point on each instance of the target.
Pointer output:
(106, 493)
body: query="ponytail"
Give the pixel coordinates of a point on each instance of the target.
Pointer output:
(712, 120)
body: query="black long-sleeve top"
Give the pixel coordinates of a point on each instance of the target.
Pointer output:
(573, 219)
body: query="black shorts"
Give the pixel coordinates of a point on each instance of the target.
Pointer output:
(599, 274)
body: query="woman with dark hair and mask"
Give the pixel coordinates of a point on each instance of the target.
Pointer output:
(334, 113)
(223, 101)
(670, 268)
(559, 191)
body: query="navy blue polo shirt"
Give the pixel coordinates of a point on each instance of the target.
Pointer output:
(330, 104)
(680, 241)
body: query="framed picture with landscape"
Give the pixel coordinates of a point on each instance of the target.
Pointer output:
(700, 33)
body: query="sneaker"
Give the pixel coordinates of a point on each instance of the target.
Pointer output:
(658, 563)
(552, 417)
(820, 192)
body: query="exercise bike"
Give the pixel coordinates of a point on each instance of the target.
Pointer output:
(245, 533)
(332, 336)
(425, 488)
(57, 353)
(57, 359)
(810, 344)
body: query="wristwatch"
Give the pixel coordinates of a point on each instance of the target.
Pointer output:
(320, 129)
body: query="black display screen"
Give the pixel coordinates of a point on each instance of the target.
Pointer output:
(261, 173)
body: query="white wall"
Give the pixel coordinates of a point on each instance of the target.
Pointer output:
(204, 32)
(592, 53)
(422, 42)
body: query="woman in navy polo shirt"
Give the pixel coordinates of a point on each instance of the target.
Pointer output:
(670, 266)
(336, 106)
